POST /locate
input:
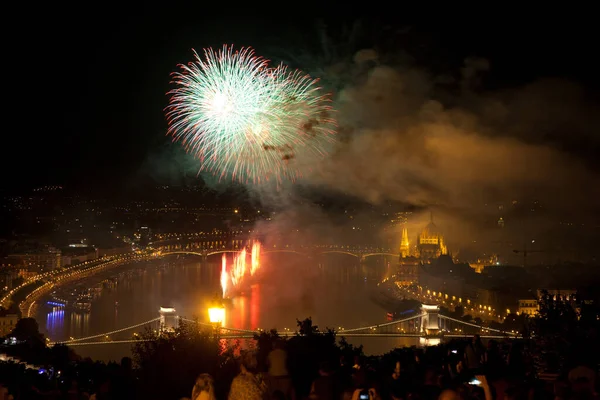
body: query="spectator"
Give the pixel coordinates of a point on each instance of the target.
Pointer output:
(326, 386)
(474, 353)
(204, 389)
(248, 385)
(279, 379)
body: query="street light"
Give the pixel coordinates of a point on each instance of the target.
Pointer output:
(216, 315)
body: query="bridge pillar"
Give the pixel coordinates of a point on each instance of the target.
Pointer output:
(362, 259)
(168, 318)
(430, 322)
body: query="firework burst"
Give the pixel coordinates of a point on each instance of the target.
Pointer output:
(246, 120)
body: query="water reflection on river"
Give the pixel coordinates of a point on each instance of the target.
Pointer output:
(335, 293)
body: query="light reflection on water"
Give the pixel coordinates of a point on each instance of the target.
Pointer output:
(334, 295)
(55, 321)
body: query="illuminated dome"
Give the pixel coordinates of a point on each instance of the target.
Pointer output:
(430, 243)
(431, 230)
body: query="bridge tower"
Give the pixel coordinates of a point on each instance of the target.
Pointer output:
(430, 322)
(168, 318)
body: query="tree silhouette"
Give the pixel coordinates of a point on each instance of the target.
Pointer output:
(307, 350)
(31, 346)
(514, 322)
(26, 329)
(459, 311)
(265, 342)
(306, 327)
(555, 329)
(178, 357)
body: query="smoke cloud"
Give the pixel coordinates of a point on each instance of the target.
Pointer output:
(470, 156)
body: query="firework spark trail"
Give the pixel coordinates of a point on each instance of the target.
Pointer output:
(255, 258)
(224, 275)
(242, 118)
(238, 271)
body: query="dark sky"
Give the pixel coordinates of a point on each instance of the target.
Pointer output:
(86, 89)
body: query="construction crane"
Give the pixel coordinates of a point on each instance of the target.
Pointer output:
(525, 252)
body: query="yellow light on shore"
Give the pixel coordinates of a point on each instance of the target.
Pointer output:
(216, 315)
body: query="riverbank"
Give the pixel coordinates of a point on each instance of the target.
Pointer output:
(29, 292)
(388, 297)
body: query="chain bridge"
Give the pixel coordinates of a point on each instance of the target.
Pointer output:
(428, 325)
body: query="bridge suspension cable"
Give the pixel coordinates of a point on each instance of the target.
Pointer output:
(473, 325)
(382, 325)
(111, 342)
(72, 341)
(246, 333)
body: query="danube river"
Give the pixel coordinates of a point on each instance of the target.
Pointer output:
(335, 292)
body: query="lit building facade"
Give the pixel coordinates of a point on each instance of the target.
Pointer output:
(46, 260)
(408, 271)
(408, 265)
(7, 322)
(531, 306)
(528, 307)
(431, 243)
(404, 244)
(566, 295)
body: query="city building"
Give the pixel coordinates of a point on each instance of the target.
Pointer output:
(558, 294)
(105, 252)
(8, 273)
(27, 272)
(531, 306)
(77, 255)
(430, 243)
(143, 236)
(408, 265)
(47, 259)
(482, 263)
(408, 271)
(528, 307)
(8, 322)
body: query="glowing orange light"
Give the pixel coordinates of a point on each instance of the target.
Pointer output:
(216, 315)
(224, 276)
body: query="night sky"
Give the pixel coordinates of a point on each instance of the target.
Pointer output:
(86, 89)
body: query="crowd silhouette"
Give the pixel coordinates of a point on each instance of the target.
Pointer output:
(193, 364)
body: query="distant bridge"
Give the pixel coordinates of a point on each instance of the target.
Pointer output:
(427, 325)
(362, 255)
